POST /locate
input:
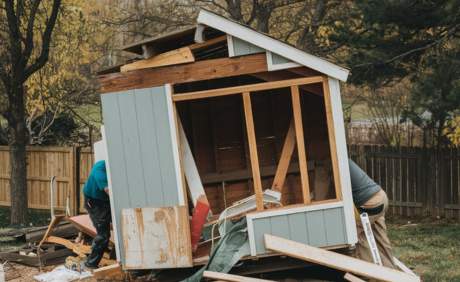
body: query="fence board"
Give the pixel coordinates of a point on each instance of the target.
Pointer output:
(417, 181)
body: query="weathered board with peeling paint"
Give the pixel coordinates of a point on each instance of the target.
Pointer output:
(156, 237)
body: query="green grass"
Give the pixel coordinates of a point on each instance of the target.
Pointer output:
(36, 218)
(431, 248)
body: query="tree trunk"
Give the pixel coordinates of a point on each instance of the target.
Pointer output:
(18, 159)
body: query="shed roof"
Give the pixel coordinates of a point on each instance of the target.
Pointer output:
(266, 42)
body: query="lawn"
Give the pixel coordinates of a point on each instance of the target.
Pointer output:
(430, 247)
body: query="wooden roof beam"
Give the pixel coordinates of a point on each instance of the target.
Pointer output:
(288, 74)
(201, 70)
(247, 88)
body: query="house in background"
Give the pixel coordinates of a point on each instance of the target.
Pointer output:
(233, 118)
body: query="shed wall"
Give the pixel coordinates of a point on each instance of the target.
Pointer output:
(318, 228)
(140, 151)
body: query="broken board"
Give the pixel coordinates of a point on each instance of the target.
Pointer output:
(334, 260)
(54, 254)
(156, 237)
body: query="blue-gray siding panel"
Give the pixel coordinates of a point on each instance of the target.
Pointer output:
(321, 228)
(335, 226)
(316, 226)
(262, 226)
(241, 47)
(139, 145)
(277, 59)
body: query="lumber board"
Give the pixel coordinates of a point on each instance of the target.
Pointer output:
(334, 260)
(56, 220)
(218, 177)
(332, 141)
(352, 278)
(300, 143)
(64, 230)
(285, 159)
(201, 70)
(230, 277)
(246, 88)
(46, 259)
(286, 74)
(253, 150)
(110, 273)
(78, 249)
(156, 237)
(209, 42)
(175, 57)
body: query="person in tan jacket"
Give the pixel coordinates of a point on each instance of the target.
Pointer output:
(369, 197)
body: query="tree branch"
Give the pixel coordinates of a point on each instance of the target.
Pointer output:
(46, 40)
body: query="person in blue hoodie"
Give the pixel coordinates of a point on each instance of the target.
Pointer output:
(369, 197)
(97, 203)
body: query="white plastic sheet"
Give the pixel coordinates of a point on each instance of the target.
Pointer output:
(62, 274)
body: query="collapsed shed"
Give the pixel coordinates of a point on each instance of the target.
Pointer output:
(230, 117)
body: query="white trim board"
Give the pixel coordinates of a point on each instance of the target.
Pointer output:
(175, 146)
(273, 67)
(231, 50)
(252, 216)
(342, 156)
(272, 45)
(109, 180)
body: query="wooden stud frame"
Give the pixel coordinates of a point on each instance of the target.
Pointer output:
(296, 106)
(294, 85)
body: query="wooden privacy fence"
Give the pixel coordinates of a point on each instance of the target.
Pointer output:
(71, 165)
(417, 181)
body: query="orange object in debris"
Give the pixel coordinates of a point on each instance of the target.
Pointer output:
(198, 219)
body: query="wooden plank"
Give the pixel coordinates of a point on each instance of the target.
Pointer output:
(283, 75)
(246, 88)
(201, 70)
(285, 159)
(230, 277)
(334, 260)
(179, 56)
(332, 141)
(110, 273)
(300, 143)
(352, 278)
(60, 241)
(247, 173)
(156, 237)
(208, 42)
(253, 151)
(56, 220)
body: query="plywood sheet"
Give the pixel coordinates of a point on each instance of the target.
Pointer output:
(84, 224)
(156, 237)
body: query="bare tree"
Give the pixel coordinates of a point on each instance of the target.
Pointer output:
(26, 31)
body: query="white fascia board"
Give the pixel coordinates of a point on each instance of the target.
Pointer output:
(342, 156)
(175, 146)
(272, 67)
(109, 181)
(272, 45)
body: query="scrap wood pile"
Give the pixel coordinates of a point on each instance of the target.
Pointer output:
(66, 238)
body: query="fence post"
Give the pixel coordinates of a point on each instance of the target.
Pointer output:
(73, 181)
(432, 181)
(441, 182)
(77, 179)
